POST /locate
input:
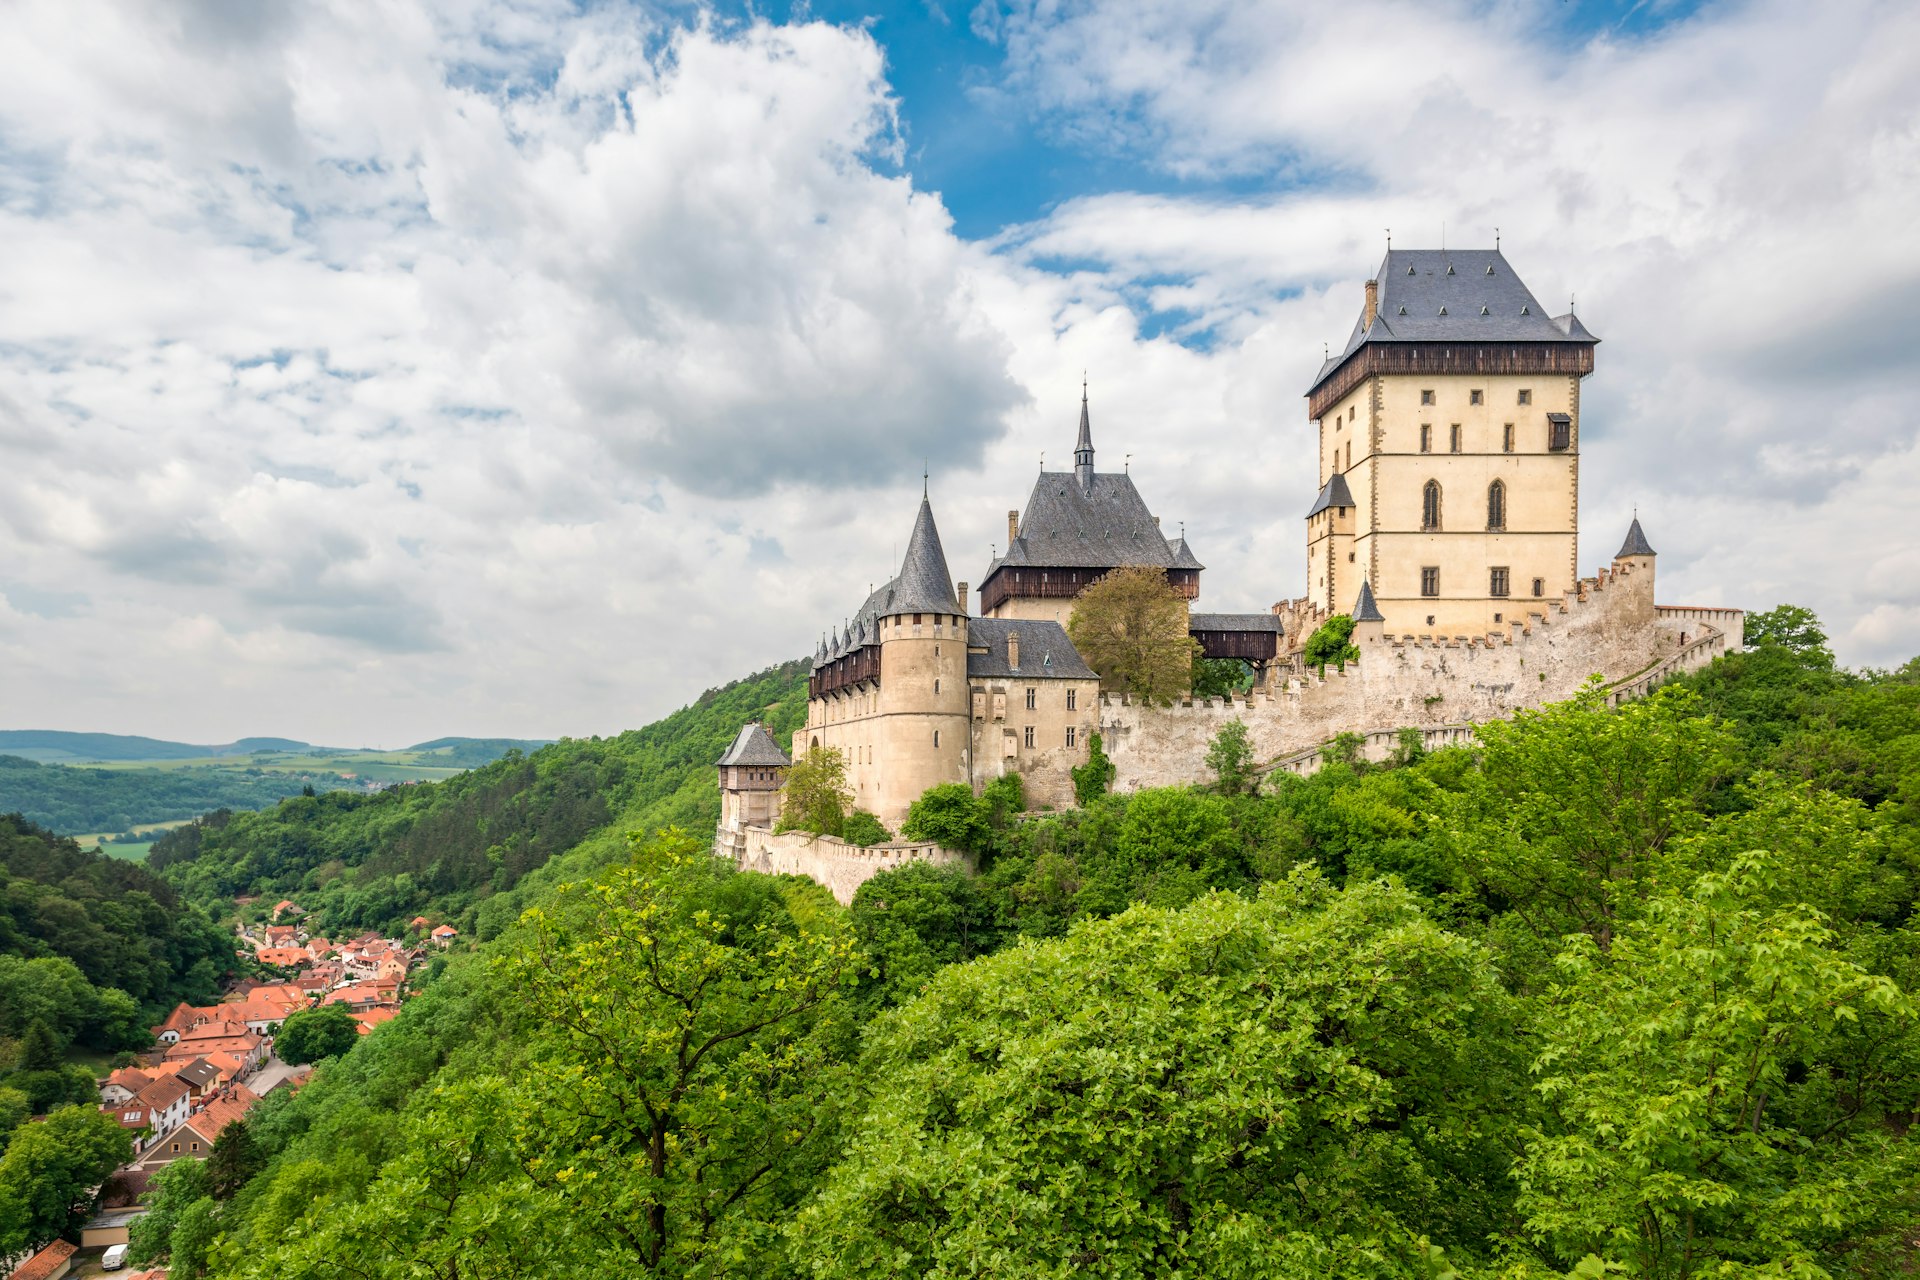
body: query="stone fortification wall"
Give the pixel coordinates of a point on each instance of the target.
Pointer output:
(1439, 684)
(840, 866)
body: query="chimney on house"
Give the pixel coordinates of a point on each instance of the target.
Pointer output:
(1373, 302)
(1013, 529)
(1013, 649)
(961, 591)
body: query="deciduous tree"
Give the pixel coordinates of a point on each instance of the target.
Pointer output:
(1131, 628)
(816, 796)
(51, 1172)
(324, 1031)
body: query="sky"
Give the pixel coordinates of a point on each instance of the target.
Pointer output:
(378, 370)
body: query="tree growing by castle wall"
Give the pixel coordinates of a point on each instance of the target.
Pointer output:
(816, 797)
(1131, 628)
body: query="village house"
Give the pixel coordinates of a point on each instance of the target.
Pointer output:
(444, 935)
(123, 1085)
(285, 907)
(194, 1137)
(50, 1263)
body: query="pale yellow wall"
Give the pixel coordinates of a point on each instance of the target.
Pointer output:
(1002, 719)
(1034, 610)
(1380, 421)
(888, 733)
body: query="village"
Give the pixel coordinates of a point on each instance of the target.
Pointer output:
(210, 1065)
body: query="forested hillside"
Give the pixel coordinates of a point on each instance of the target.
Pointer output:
(1620, 991)
(71, 799)
(456, 849)
(92, 952)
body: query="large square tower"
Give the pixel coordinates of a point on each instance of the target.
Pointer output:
(1449, 452)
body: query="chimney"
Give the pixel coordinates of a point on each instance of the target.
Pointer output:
(1013, 529)
(961, 591)
(1013, 649)
(1373, 302)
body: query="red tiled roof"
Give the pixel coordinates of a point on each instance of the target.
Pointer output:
(241, 1046)
(163, 1093)
(129, 1116)
(131, 1079)
(371, 1018)
(445, 931)
(46, 1263)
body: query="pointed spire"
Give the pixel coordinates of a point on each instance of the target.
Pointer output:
(1636, 543)
(1364, 609)
(924, 584)
(1083, 448)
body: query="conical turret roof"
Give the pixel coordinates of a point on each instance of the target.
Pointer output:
(924, 584)
(1636, 543)
(1364, 609)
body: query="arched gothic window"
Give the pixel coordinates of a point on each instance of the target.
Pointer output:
(1430, 506)
(1497, 505)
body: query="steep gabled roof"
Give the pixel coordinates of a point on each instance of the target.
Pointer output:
(1045, 651)
(1101, 526)
(753, 746)
(1183, 557)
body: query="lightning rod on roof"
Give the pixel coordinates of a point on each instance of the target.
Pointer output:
(1126, 464)
(1389, 237)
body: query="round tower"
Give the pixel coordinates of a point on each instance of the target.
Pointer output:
(923, 726)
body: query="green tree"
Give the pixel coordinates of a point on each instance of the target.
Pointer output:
(40, 1048)
(1092, 779)
(235, 1159)
(192, 1238)
(324, 1031)
(862, 828)
(1230, 757)
(1791, 627)
(1700, 1123)
(1332, 644)
(51, 1172)
(682, 1074)
(1575, 809)
(816, 796)
(1303, 1084)
(1131, 628)
(948, 815)
(1002, 798)
(14, 1110)
(1219, 677)
(173, 1189)
(912, 921)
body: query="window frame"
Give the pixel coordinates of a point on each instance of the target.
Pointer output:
(1430, 582)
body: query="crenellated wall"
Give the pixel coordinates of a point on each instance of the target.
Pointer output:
(1441, 685)
(840, 866)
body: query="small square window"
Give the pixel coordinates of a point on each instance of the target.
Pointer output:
(1476, 397)
(1430, 581)
(1426, 397)
(1526, 397)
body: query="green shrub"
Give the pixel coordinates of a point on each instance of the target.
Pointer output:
(862, 828)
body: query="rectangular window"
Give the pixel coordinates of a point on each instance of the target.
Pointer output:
(1073, 697)
(936, 737)
(1526, 397)
(1559, 431)
(1476, 397)
(936, 684)
(1426, 397)
(1453, 438)
(1539, 586)
(1033, 698)
(1430, 580)
(1029, 735)
(1506, 437)
(1426, 437)
(1498, 584)
(1070, 733)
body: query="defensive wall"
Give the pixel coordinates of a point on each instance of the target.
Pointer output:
(1440, 685)
(827, 860)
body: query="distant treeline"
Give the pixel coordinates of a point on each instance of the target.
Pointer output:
(75, 800)
(454, 849)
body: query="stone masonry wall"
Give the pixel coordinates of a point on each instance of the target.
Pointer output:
(840, 866)
(1609, 626)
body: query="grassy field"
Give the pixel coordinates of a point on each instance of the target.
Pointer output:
(131, 851)
(381, 766)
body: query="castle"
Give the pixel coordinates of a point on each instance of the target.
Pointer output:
(1445, 524)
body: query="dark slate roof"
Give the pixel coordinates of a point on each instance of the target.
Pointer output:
(1365, 609)
(1332, 494)
(923, 585)
(1045, 651)
(1636, 543)
(1233, 622)
(754, 747)
(1455, 295)
(1103, 526)
(1183, 557)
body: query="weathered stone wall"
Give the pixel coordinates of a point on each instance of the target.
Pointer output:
(840, 866)
(1609, 627)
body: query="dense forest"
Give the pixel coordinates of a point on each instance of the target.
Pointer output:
(93, 951)
(1617, 991)
(75, 800)
(458, 849)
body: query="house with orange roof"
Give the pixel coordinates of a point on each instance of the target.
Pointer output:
(248, 1049)
(376, 1016)
(194, 1138)
(123, 1085)
(286, 907)
(50, 1263)
(282, 957)
(287, 994)
(419, 922)
(445, 934)
(176, 1022)
(282, 935)
(168, 1102)
(364, 995)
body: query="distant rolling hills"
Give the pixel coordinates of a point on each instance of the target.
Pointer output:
(54, 746)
